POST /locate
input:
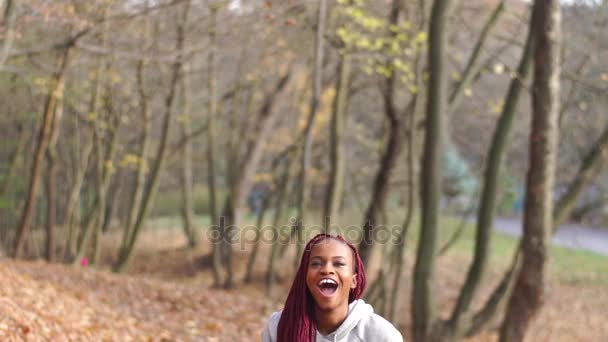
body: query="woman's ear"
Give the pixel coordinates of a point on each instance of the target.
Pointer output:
(353, 284)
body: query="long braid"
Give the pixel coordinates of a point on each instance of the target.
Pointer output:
(297, 321)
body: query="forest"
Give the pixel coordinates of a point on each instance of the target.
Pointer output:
(164, 162)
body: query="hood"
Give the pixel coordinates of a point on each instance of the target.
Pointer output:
(357, 310)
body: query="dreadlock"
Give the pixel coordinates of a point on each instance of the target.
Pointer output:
(297, 319)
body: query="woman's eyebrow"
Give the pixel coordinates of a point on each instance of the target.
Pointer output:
(334, 257)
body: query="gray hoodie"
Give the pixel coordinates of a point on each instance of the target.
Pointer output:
(361, 324)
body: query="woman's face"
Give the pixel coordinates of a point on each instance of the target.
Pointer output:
(331, 274)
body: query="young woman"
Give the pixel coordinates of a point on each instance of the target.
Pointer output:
(324, 301)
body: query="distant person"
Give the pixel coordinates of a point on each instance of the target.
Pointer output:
(256, 197)
(324, 301)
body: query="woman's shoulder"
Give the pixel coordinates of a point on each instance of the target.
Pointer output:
(270, 331)
(376, 328)
(274, 318)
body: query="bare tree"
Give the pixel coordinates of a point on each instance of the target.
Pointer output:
(303, 193)
(423, 306)
(527, 297)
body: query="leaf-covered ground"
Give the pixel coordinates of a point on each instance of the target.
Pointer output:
(48, 302)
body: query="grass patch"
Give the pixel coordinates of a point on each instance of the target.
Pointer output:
(568, 265)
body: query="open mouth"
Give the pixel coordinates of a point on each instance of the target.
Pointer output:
(327, 286)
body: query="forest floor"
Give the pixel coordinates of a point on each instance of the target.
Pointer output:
(167, 296)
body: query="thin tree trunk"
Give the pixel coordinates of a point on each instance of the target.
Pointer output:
(186, 178)
(333, 199)
(412, 157)
(304, 189)
(95, 227)
(89, 223)
(256, 244)
(113, 198)
(588, 171)
(211, 183)
(528, 294)
(497, 299)
(144, 146)
(186, 174)
(106, 172)
(489, 193)
(389, 157)
(282, 199)
(44, 136)
(51, 181)
(423, 305)
(72, 206)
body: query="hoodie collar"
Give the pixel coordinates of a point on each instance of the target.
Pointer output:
(357, 310)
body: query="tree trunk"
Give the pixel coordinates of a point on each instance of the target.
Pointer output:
(72, 206)
(144, 145)
(106, 171)
(56, 88)
(527, 297)
(282, 199)
(333, 199)
(256, 244)
(303, 194)
(389, 158)
(186, 181)
(186, 174)
(51, 181)
(423, 306)
(211, 183)
(587, 172)
(412, 158)
(489, 193)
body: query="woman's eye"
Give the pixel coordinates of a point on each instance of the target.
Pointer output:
(339, 264)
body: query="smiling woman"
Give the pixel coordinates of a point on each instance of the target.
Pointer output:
(324, 303)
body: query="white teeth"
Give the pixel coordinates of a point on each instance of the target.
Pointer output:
(327, 281)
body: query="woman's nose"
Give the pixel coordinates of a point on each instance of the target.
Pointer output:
(327, 269)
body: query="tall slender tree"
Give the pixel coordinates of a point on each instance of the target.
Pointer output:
(390, 155)
(333, 197)
(317, 85)
(528, 294)
(423, 305)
